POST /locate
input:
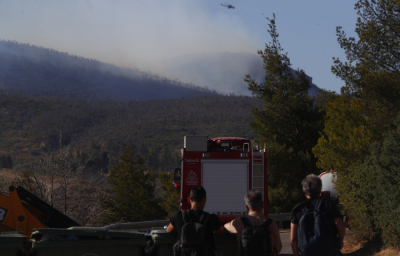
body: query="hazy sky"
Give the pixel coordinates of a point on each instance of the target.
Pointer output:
(142, 33)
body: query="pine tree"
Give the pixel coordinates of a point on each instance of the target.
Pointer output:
(9, 162)
(352, 126)
(171, 194)
(373, 67)
(289, 123)
(3, 161)
(131, 193)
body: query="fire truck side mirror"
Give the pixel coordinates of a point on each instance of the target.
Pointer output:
(177, 174)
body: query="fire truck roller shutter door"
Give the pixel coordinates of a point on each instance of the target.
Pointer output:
(226, 183)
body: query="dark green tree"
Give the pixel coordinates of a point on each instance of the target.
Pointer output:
(371, 191)
(373, 67)
(289, 123)
(360, 119)
(352, 126)
(9, 162)
(2, 161)
(130, 196)
(171, 194)
(5, 161)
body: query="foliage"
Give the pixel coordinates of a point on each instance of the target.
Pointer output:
(373, 70)
(58, 179)
(371, 194)
(387, 193)
(154, 129)
(362, 117)
(171, 194)
(357, 195)
(289, 123)
(130, 196)
(351, 127)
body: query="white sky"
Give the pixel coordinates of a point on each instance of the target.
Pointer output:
(141, 33)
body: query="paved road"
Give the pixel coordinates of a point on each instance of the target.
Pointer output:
(286, 247)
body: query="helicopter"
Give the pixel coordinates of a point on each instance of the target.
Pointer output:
(229, 6)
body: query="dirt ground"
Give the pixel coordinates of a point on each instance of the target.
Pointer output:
(353, 247)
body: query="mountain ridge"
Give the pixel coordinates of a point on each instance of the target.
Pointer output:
(41, 71)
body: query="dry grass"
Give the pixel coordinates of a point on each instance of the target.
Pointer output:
(354, 247)
(388, 252)
(9, 173)
(351, 244)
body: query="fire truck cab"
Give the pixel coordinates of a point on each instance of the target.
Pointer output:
(227, 167)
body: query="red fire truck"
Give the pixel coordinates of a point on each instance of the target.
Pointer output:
(227, 167)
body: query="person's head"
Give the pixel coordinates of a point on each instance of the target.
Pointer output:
(197, 197)
(312, 185)
(253, 200)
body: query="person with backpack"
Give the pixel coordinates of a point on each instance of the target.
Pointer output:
(256, 235)
(195, 227)
(316, 225)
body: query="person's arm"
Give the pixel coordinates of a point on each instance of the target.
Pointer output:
(217, 225)
(278, 242)
(230, 227)
(341, 229)
(171, 229)
(294, 239)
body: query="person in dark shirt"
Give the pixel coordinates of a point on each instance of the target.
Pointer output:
(254, 205)
(197, 200)
(312, 187)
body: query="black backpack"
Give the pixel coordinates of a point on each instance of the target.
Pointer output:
(315, 232)
(193, 237)
(256, 240)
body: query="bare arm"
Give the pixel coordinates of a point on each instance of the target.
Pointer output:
(294, 239)
(341, 230)
(278, 242)
(171, 229)
(230, 227)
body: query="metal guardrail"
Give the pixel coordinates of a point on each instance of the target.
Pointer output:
(147, 225)
(280, 217)
(140, 226)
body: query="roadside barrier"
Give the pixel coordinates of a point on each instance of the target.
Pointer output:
(87, 241)
(148, 225)
(113, 240)
(280, 217)
(162, 242)
(12, 243)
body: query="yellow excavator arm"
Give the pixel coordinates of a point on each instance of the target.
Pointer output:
(22, 211)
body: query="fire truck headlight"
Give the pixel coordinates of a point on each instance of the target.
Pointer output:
(244, 155)
(206, 154)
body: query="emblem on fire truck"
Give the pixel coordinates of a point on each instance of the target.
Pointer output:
(192, 178)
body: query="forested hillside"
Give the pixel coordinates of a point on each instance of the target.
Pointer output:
(40, 71)
(101, 129)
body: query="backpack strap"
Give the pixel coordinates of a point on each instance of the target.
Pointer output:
(246, 222)
(266, 223)
(204, 217)
(301, 204)
(319, 204)
(186, 216)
